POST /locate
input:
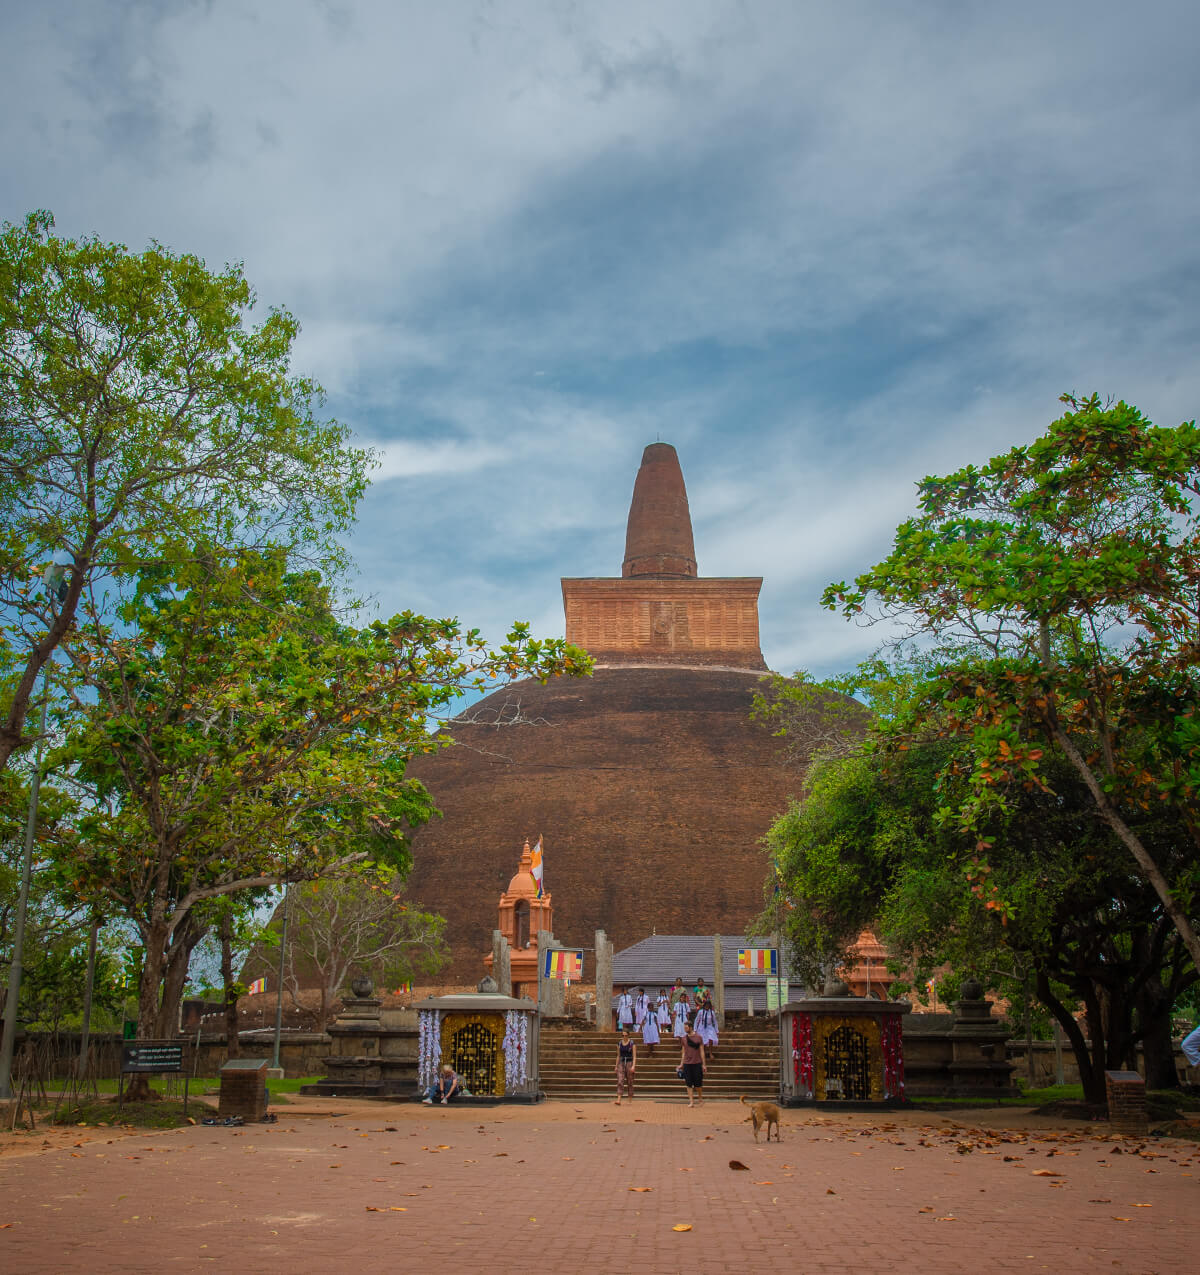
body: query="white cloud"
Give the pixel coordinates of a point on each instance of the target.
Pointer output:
(823, 250)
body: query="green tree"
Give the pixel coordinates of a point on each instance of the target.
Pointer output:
(867, 847)
(234, 735)
(360, 924)
(1061, 583)
(140, 412)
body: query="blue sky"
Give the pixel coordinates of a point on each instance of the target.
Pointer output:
(823, 249)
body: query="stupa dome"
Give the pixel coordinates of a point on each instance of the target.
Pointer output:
(649, 783)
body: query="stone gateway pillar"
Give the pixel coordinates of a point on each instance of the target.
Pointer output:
(551, 994)
(604, 984)
(719, 982)
(501, 963)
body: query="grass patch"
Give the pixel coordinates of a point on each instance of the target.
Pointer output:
(1028, 1098)
(290, 1084)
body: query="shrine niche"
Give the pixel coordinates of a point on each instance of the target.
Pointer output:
(471, 1045)
(844, 1049)
(490, 1040)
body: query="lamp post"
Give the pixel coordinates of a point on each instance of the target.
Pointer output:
(287, 890)
(14, 970)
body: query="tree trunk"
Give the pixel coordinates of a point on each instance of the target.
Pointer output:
(1150, 869)
(1158, 1048)
(1091, 1076)
(187, 934)
(232, 1043)
(138, 1087)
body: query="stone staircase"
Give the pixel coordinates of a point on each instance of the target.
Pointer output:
(577, 1064)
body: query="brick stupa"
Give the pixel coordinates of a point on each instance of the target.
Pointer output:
(649, 780)
(660, 611)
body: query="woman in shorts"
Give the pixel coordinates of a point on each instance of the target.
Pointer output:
(692, 1066)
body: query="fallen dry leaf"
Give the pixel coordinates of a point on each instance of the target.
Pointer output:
(737, 1164)
(765, 1182)
(1046, 1173)
(682, 1226)
(641, 1189)
(830, 1191)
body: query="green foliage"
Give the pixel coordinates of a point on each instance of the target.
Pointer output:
(232, 734)
(141, 413)
(1040, 893)
(1061, 584)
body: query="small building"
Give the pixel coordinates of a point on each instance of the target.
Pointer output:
(655, 963)
(844, 1049)
(490, 1040)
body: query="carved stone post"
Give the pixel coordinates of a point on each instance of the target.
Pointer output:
(501, 963)
(551, 996)
(604, 986)
(719, 982)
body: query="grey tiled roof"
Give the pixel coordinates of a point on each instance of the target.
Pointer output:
(655, 962)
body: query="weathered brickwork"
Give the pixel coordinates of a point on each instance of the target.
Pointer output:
(651, 787)
(1126, 1092)
(647, 620)
(649, 783)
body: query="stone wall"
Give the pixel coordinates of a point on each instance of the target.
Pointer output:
(300, 1053)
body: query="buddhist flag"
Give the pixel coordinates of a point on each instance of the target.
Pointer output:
(561, 963)
(758, 960)
(405, 989)
(259, 985)
(536, 870)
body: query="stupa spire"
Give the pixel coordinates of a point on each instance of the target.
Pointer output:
(658, 537)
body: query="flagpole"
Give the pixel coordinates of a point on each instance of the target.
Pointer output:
(779, 977)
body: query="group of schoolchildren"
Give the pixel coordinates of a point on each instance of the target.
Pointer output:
(654, 1013)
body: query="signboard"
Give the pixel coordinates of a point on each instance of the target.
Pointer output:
(758, 960)
(561, 963)
(777, 995)
(145, 1055)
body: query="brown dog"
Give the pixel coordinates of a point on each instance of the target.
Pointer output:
(763, 1113)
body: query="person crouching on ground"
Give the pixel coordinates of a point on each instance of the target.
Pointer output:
(626, 1065)
(693, 1065)
(445, 1087)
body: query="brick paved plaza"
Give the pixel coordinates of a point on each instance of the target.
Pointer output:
(591, 1187)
